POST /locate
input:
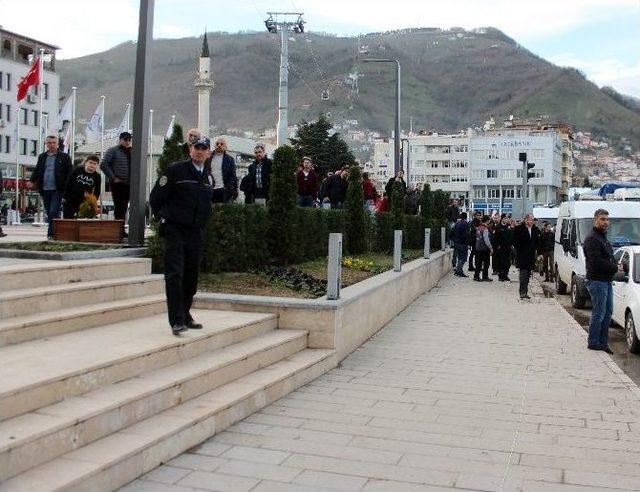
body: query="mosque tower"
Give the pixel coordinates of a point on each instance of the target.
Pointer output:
(204, 87)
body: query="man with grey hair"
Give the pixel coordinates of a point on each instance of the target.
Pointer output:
(601, 267)
(223, 170)
(526, 240)
(193, 135)
(259, 175)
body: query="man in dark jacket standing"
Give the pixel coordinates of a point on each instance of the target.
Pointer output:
(50, 177)
(601, 267)
(259, 176)
(503, 239)
(223, 170)
(526, 239)
(116, 166)
(307, 184)
(336, 189)
(460, 240)
(181, 201)
(547, 243)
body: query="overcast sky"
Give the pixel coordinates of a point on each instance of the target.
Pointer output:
(600, 37)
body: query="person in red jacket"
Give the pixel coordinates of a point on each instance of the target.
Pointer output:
(369, 192)
(382, 205)
(307, 181)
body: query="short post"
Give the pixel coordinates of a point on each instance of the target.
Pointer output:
(427, 242)
(334, 266)
(443, 238)
(397, 251)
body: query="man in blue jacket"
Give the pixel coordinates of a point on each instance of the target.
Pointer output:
(460, 234)
(223, 170)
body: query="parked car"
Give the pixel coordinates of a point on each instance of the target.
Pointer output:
(575, 221)
(626, 294)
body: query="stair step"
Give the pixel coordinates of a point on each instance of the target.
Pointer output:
(34, 326)
(55, 297)
(38, 373)
(119, 458)
(18, 277)
(35, 438)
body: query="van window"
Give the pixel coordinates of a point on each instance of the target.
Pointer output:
(564, 230)
(573, 235)
(623, 231)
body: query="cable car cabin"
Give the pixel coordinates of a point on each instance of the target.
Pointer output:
(324, 95)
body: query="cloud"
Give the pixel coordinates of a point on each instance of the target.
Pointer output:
(171, 31)
(624, 77)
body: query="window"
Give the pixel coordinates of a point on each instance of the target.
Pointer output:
(34, 147)
(519, 193)
(34, 117)
(8, 106)
(459, 164)
(494, 193)
(538, 173)
(46, 90)
(419, 163)
(434, 164)
(23, 146)
(478, 193)
(458, 178)
(7, 144)
(8, 80)
(535, 154)
(478, 173)
(492, 173)
(1, 80)
(24, 113)
(478, 154)
(508, 193)
(459, 148)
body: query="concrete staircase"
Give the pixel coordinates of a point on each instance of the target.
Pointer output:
(94, 389)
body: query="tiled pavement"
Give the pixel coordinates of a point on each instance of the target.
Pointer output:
(468, 388)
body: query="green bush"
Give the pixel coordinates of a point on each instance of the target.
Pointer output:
(383, 237)
(414, 232)
(355, 224)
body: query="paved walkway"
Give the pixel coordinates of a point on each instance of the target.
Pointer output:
(468, 388)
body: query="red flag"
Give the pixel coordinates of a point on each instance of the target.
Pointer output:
(32, 78)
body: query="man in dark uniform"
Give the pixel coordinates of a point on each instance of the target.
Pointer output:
(181, 200)
(526, 240)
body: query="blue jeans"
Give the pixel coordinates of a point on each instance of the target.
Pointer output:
(52, 200)
(305, 201)
(461, 252)
(602, 300)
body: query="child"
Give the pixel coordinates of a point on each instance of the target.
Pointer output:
(83, 179)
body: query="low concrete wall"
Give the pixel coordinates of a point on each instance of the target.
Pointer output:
(362, 310)
(73, 255)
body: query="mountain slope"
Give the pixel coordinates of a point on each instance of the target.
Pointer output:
(450, 80)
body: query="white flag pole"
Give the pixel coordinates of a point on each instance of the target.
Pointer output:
(103, 181)
(17, 147)
(128, 110)
(72, 143)
(150, 161)
(41, 94)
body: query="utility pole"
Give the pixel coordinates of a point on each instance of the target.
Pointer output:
(282, 21)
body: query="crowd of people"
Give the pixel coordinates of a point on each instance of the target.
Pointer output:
(499, 241)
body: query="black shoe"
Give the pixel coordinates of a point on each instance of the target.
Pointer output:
(507, 279)
(2, 234)
(192, 325)
(463, 275)
(487, 279)
(471, 269)
(594, 347)
(177, 329)
(525, 296)
(477, 279)
(607, 349)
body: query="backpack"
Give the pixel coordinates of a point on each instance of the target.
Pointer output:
(480, 244)
(471, 236)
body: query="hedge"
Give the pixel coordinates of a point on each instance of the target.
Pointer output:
(235, 236)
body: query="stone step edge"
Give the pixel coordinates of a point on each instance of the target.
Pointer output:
(76, 286)
(157, 381)
(98, 262)
(46, 317)
(151, 435)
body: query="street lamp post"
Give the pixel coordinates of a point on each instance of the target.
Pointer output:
(396, 138)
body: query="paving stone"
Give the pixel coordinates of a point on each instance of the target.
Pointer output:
(255, 454)
(166, 474)
(330, 480)
(218, 482)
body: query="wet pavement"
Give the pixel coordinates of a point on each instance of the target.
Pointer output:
(628, 362)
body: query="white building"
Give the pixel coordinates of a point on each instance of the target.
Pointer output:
(496, 172)
(16, 55)
(442, 161)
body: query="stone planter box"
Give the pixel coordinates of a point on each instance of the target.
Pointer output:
(88, 230)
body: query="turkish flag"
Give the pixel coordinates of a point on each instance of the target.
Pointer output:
(32, 78)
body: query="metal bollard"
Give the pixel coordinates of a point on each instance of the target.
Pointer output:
(397, 251)
(443, 238)
(427, 242)
(334, 266)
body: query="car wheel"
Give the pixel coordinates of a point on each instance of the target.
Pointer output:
(561, 287)
(577, 301)
(632, 336)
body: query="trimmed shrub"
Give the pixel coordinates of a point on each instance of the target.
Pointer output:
(355, 225)
(397, 206)
(414, 232)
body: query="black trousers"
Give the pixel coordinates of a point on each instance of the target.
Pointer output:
(482, 264)
(221, 195)
(525, 275)
(183, 253)
(472, 255)
(120, 194)
(503, 262)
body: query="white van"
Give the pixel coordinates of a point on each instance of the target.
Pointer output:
(548, 214)
(575, 221)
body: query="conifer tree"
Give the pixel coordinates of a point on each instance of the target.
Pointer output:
(355, 225)
(171, 150)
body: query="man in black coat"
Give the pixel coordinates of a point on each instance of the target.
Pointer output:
(50, 178)
(259, 176)
(526, 239)
(601, 267)
(336, 189)
(503, 238)
(181, 201)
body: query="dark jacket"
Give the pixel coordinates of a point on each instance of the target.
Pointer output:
(547, 242)
(63, 169)
(452, 213)
(503, 237)
(336, 189)
(229, 178)
(79, 183)
(116, 163)
(526, 246)
(254, 191)
(460, 232)
(389, 187)
(598, 256)
(412, 202)
(307, 185)
(183, 197)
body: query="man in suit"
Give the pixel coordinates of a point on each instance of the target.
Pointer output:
(50, 178)
(259, 176)
(526, 240)
(223, 170)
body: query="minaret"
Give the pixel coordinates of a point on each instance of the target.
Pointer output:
(204, 87)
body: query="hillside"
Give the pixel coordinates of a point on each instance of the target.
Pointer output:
(450, 80)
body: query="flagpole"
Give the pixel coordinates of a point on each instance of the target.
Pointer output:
(150, 162)
(72, 144)
(103, 181)
(17, 147)
(128, 110)
(41, 94)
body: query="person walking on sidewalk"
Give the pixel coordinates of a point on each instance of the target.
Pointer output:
(601, 267)
(526, 240)
(503, 239)
(475, 222)
(461, 248)
(547, 243)
(484, 249)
